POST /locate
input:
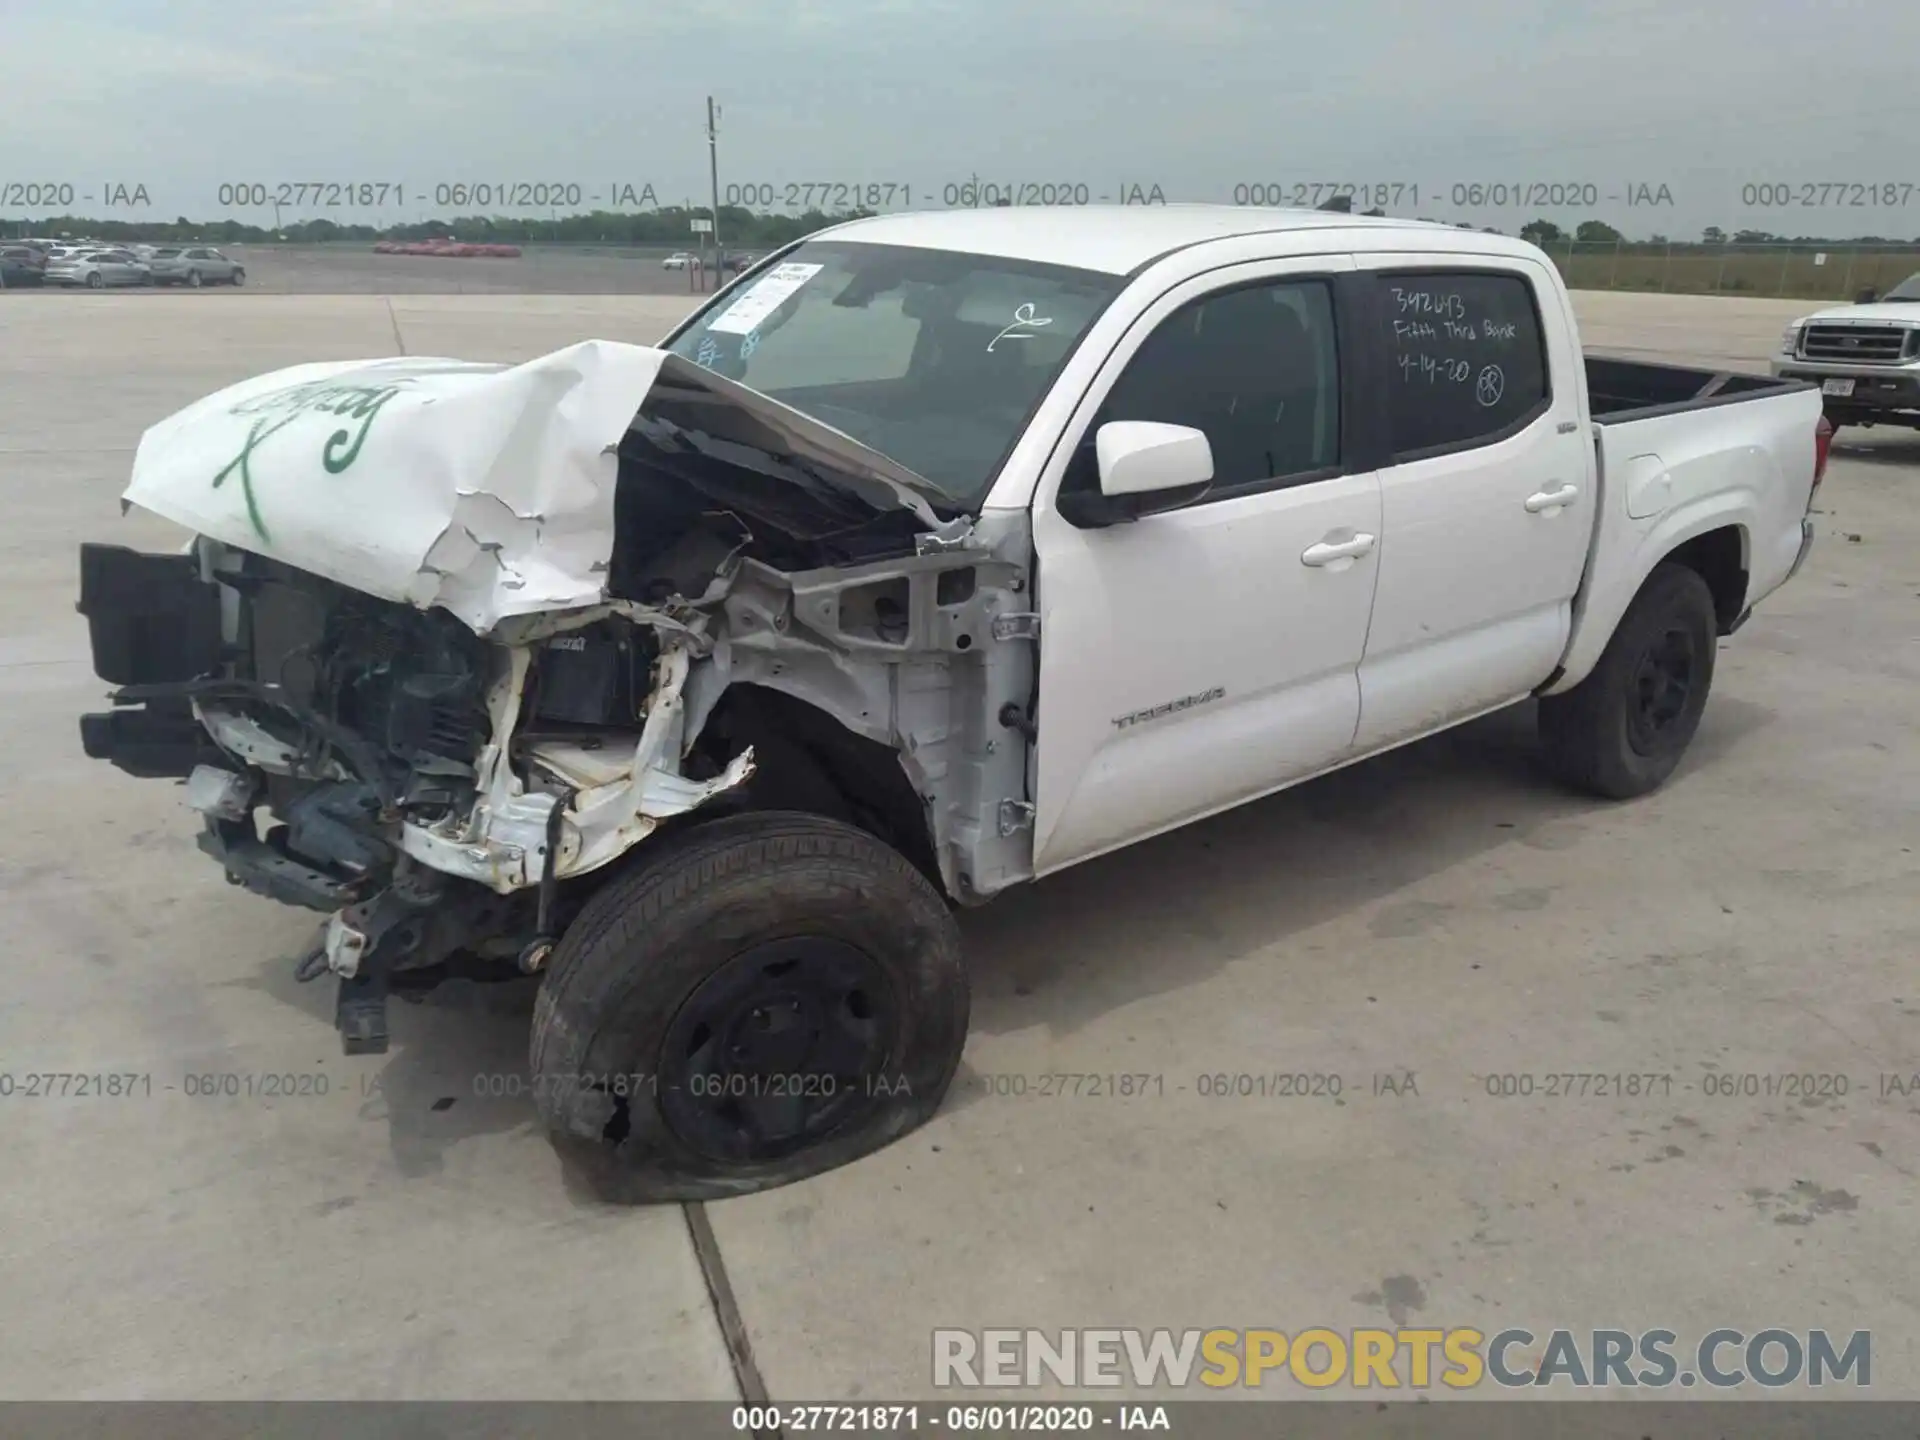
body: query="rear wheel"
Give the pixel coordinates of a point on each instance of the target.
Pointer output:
(1621, 731)
(96, 281)
(769, 996)
(193, 280)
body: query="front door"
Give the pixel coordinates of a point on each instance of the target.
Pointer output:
(1199, 657)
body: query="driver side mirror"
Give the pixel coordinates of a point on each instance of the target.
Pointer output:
(1144, 467)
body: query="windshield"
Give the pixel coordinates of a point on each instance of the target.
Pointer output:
(935, 359)
(1907, 289)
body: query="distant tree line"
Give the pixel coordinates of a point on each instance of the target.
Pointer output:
(739, 229)
(671, 225)
(1597, 232)
(1545, 233)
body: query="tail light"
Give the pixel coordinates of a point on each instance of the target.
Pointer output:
(1822, 444)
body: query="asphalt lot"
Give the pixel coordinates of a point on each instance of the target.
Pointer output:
(1442, 910)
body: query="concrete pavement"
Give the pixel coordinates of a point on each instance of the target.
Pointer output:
(1442, 912)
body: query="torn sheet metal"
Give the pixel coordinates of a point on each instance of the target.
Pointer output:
(485, 489)
(501, 842)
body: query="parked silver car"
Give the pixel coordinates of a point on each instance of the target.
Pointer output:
(195, 265)
(97, 269)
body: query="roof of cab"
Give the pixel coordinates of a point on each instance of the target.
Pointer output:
(1119, 239)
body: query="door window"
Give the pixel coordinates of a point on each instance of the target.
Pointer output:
(1257, 368)
(1467, 361)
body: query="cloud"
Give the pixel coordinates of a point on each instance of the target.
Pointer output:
(76, 91)
(1194, 96)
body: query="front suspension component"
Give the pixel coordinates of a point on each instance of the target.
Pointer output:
(363, 941)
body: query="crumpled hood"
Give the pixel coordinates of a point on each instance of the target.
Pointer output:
(486, 489)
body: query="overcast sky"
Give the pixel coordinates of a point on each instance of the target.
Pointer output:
(1704, 97)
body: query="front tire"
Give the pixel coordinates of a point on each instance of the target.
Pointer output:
(1621, 731)
(239, 277)
(769, 996)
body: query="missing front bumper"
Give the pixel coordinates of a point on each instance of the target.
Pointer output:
(265, 868)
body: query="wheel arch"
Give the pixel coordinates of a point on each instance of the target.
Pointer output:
(1713, 541)
(1721, 557)
(807, 759)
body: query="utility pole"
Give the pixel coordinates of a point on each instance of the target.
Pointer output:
(713, 173)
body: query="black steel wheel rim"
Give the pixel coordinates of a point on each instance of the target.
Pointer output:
(1663, 685)
(781, 1047)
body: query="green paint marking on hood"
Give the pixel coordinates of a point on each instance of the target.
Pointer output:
(278, 409)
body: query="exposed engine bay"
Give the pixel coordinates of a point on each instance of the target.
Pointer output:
(772, 629)
(384, 764)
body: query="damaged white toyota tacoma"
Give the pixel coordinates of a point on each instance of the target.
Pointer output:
(937, 553)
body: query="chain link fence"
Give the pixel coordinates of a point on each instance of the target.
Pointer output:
(1832, 271)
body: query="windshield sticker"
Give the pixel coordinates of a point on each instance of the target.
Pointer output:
(767, 295)
(749, 343)
(1022, 328)
(708, 352)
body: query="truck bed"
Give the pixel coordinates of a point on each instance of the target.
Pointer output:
(1619, 389)
(1681, 451)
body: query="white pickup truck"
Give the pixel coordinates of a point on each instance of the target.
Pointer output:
(937, 553)
(1864, 357)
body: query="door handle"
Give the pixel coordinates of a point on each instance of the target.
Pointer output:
(1331, 554)
(1551, 499)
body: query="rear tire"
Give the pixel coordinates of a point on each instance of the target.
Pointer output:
(96, 281)
(768, 996)
(1621, 731)
(194, 282)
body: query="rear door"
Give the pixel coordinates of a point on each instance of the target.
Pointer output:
(1487, 497)
(1196, 658)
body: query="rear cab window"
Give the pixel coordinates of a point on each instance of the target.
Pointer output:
(1466, 358)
